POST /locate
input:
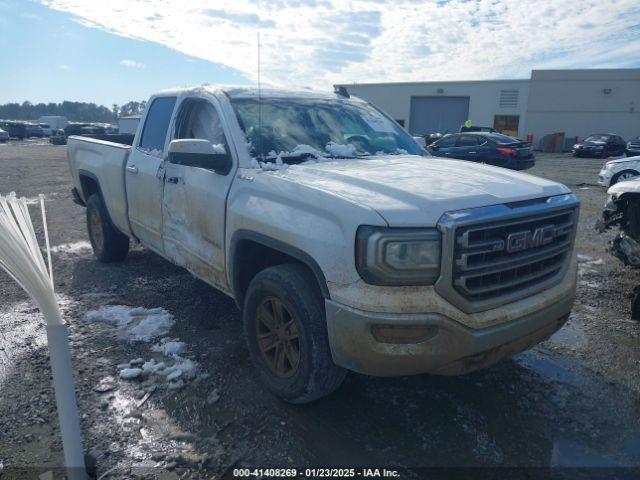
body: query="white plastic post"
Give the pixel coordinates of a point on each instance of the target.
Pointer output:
(21, 258)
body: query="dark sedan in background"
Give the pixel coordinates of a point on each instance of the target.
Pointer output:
(601, 145)
(491, 148)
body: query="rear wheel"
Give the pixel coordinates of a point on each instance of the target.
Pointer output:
(285, 328)
(109, 245)
(624, 175)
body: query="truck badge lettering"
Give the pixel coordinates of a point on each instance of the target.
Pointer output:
(518, 241)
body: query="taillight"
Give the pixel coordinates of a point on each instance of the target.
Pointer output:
(507, 151)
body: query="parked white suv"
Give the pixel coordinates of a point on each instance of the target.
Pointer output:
(618, 170)
(343, 243)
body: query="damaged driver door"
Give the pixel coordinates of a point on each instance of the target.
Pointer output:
(197, 179)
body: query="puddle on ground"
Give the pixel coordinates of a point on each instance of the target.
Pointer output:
(571, 335)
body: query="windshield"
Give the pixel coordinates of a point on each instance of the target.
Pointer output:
(597, 138)
(296, 129)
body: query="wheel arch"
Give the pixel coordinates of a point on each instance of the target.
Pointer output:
(251, 252)
(615, 178)
(90, 185)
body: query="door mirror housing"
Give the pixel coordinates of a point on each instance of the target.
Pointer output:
(200, 153)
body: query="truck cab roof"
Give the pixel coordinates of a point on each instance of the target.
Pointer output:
(243, 91)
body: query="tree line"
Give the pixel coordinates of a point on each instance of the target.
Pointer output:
(74, 111)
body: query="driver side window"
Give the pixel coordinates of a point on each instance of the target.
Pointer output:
(199, 119)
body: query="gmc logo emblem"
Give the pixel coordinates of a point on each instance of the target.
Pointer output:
(518, 241)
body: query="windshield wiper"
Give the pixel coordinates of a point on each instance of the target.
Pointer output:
(292, 159)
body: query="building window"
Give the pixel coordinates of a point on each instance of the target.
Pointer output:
(507, 124)
(509, 98)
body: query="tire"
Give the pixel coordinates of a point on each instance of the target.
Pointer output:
(109, 245)
(292, 290)
(623, 175)
(604, 154)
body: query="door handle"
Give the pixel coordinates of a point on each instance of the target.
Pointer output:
(132, 169)
(473, 152)
(173, 180)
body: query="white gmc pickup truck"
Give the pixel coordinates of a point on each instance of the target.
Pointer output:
(344, 244)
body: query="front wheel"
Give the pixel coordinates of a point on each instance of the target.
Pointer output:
(109, 245)
(286, 332)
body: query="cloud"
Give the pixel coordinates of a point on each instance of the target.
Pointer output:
(239, 18)
(131, 63)
(320, 42)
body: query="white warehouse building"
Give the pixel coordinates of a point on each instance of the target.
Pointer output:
(574, 102)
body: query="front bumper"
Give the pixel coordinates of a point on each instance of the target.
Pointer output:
(522, 163)
(582, 152)
(453, 349)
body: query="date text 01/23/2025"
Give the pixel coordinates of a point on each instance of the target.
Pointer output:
(315, 472)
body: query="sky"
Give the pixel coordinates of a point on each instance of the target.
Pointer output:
(118, 50)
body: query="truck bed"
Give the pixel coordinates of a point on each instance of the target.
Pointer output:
(93, 162)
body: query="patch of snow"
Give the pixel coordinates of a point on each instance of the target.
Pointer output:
(73, 248)
(135, 323)
(138, 324)
(152, 326)
(584, 258)
(219, 148)
(338, 150)
(169, 347)
(130, 373)
(152, 366)
(115, 315)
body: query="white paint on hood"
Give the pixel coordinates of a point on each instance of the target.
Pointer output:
(409, 190)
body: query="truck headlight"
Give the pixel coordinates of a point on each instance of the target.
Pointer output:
(398, 256)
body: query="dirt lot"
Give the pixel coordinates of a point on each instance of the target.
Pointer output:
(572, 401)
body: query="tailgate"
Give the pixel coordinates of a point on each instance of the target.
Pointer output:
(97, 166)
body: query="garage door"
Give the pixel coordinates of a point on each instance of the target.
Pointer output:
(438, 114)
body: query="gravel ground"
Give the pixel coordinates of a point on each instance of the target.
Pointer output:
(572, 401)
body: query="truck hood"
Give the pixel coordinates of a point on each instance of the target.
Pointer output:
(416, 191)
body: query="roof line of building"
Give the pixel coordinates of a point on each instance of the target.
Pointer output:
(432, 82)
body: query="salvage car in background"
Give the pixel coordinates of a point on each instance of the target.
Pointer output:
(622, 210)
(33, 130)
(633, 147)
(601, 145)
(4, 136)
(46, 129)
(491, 148)
(619, 170)
(58, 137)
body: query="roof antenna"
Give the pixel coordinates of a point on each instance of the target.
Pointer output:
(259, 103)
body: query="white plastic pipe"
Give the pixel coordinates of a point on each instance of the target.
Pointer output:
(21, 258)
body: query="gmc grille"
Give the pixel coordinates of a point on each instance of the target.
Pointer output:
(496, 259)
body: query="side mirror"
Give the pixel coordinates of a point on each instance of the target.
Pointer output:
(434, 147)
(195, 152)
